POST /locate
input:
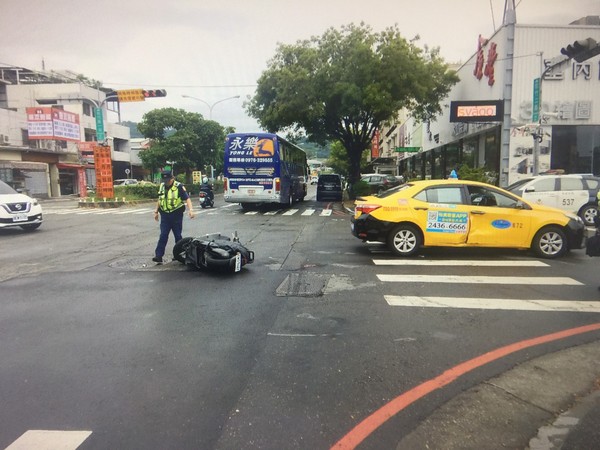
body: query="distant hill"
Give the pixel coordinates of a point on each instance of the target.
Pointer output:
(314, 151)
(133, 129)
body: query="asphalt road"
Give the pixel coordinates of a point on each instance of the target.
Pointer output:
(293, 352)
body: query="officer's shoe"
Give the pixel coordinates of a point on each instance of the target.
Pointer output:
(158, 259)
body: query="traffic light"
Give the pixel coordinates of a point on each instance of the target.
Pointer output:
(155, 93)
(582, 50)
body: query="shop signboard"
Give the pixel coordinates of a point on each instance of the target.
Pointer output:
(104, 178)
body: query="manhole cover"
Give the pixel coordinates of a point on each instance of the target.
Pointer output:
(302, 285)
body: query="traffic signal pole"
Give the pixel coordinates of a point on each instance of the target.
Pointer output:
(537, 113)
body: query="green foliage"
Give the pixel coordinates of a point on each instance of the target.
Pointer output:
(476, 174)
(360, 188)
(183, 137)
(343, 85)
(137, 191)
(339, 161)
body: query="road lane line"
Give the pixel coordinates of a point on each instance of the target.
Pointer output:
(492, 303)
(367, 426)
(289, 212)
(134, 211)
(326, 212)
(308, 212)
(457, 262)
(477, 279)
(251, 213)
(49, 439)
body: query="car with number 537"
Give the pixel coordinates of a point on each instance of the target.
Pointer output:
(463, 213)
(574, 193)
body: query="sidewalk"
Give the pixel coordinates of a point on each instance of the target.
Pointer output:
(551, 402)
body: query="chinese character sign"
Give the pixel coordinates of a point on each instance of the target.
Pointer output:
(39, 123)
(52, 123)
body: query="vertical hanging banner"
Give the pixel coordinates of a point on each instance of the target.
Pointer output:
(375, 145)
(104, 178)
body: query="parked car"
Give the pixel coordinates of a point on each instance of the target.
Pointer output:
(461, 213)
(379, 182)
(573, 193)
(18, 210)
(125, 182)
(329, 186)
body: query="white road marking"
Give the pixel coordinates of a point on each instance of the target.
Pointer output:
(457, 262)
(134, 211)
(271, 213)
(251, 213)
(308, 212)
(49, 440)
(289, 212)
(326, 212)
(477, 279)
(493, 303)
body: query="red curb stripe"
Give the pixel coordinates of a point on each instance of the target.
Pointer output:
(365, 428)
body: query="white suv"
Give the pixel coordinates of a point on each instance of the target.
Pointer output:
(572, 193)
(18, 210)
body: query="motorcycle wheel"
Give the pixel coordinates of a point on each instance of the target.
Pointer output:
(180, 249)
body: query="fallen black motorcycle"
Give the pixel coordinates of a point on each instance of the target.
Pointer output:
(213, 252)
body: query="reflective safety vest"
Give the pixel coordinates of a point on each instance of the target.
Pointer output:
(170, 201)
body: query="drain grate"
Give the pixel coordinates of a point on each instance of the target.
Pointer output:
(302, 284)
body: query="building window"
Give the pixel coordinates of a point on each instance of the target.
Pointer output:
(576, 149)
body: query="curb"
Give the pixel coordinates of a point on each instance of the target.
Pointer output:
(512, 409)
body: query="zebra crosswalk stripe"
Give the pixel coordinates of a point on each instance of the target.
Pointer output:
(493, 303)
(478, 279)
(66, 440)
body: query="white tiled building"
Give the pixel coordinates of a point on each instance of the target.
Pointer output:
(508, 63)
(55, 167)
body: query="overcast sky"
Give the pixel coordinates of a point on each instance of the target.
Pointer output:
(215, 49)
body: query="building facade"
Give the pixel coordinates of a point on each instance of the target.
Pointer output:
(62, 163)
(500, 75)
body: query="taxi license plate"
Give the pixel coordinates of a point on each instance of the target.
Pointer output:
(251, 192)
(20, 218)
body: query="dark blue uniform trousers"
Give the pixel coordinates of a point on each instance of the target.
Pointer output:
(169, 222)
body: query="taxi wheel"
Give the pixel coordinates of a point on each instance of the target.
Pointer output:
(587, 213)
(550, 242)
(404, 240)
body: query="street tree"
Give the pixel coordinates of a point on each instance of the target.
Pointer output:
(183, 137)
(345, 84)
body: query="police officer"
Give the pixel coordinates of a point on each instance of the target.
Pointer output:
(170, 206)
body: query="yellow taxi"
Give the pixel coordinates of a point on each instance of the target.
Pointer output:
(462, 213)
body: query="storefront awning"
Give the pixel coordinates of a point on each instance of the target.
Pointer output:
(24, 165)
(70, 166)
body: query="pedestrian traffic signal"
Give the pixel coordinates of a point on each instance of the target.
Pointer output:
(155, 93)
(581, 50)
